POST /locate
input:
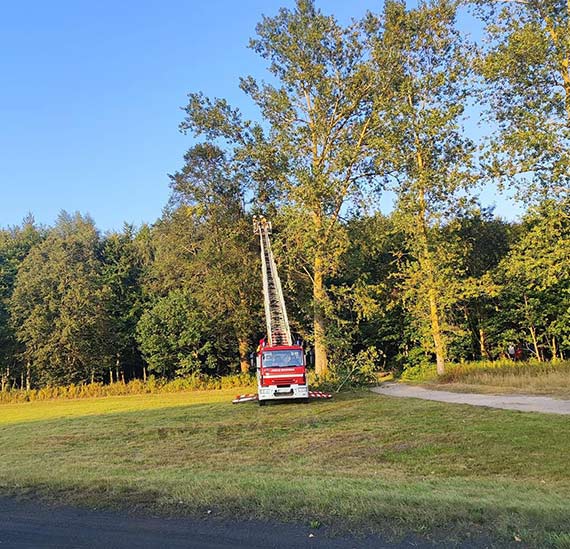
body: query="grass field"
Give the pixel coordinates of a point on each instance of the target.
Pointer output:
(360, 461)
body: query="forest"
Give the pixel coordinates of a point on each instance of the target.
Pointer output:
(370, 148)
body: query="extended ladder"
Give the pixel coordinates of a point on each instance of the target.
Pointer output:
(278, 330)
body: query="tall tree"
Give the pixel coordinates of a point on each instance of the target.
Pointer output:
(487, 240)
(204, 244)
(124, 267)
(313, 143)
(424, 149)
(536, 280)
(15, 245)
(526, 67)
(59, 305)
(364, 293)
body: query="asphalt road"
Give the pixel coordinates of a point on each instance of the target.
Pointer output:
(523, 403)
(29, 525)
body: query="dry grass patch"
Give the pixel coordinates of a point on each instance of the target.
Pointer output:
(504, 376)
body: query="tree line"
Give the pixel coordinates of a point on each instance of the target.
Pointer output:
(350, 114)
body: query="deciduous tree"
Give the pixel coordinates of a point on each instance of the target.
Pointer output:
(423, 148)
(205, 245)
(15, 245)
(526, 67)
(314, 139)
(59, 306)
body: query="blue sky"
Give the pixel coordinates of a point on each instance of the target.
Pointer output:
(90, 97)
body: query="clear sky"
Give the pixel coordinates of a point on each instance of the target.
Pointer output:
(90, 97)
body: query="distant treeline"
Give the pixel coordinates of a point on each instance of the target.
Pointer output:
(184, 296)
(351, 112)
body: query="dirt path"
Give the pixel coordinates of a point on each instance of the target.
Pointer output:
(524, 403)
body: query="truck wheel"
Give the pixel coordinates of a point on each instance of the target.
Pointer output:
(262, 402)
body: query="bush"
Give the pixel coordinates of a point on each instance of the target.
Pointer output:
(355, 371)
(424, 371)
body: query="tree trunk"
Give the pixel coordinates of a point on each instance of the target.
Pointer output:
(427, 266)
(436, 332)
(243, 345)
(554, 349)
(28, 376)
(321, 355)
(532, 331)
(483, 344)
(144, 374)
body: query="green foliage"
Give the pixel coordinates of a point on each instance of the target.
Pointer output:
(356, 370)
(535, 284)
(124, 268)
(526, 70)
(59, 305)
(426, 155)
(418, 366)
(559, 541)
(347, 110)
(315, 158)
(15, 244)
(175, 337)
(204, 245)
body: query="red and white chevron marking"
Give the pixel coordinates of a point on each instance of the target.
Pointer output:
(249, 397)
(319, 394)
(244, 398)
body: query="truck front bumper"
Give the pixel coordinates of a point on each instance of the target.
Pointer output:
(272, 392)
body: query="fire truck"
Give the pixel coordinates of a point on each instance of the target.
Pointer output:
(280, 365)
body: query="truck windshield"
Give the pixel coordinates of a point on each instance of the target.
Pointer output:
(278, 359)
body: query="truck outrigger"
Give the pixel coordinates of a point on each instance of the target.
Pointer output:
(280, 364)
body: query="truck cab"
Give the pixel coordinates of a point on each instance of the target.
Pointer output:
(281, 373)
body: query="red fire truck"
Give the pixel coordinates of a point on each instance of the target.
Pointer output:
(280, 365)
(281, 373)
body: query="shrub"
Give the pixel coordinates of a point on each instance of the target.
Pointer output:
(354, 371)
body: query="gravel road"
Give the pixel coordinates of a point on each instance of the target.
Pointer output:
(524, 403)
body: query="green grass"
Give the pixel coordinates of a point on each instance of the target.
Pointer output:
(360, 461)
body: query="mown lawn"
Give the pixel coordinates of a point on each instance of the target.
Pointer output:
(360, 461)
